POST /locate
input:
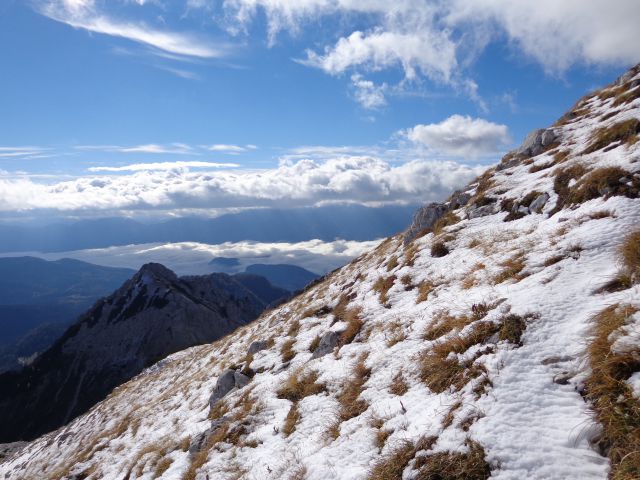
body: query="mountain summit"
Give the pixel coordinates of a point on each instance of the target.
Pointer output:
(496, 337)
(152, 315)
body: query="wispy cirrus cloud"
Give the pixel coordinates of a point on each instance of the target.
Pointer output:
(87, 15)
(154, 148)
(23, 152)
(229, 148)
(141, 167)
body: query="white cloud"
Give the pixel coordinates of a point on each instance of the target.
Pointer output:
(559, 34)
(22, 152)
(462, 136)
(189, 258)
(141, 167)
(86, 15)
(439, 40)
(227, 148)
(363, 180)
(367, 93)
(174, 148)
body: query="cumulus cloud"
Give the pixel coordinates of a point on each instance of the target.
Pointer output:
(364, 180)
(85, 14)
(141, 167)
(437, 40)
(462, 136)
(368, 94)
(559, 34)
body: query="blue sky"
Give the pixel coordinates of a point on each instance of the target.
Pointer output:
(106, 106)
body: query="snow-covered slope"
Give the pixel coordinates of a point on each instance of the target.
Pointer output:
(467, 352)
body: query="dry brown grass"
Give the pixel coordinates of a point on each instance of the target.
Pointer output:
(398, 385)
(629, 257)
(291, 420)
(391, 465)
(392, 263)
(471, 465)
(315, 343)
(561, 183)
(446, 220)
(439, 249)
(424, 290)
(162, 466)
(286, 350)
(407, 281)
(395, 333)
(600, 214)
(440, 371)
(512, 327)
(351, 405)
(511, 269)
(615, 407)
(624, 132)
(300, 385)
(382, 287)
(630, 254)
(294, 328)
(602, 182)
(352, 317)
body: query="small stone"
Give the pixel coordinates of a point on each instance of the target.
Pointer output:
(257, 346)
(327, 343)
(538, 204)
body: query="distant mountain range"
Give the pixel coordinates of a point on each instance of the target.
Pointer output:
(35, 291)
(289, 277)
(153, 314)
(269, 225)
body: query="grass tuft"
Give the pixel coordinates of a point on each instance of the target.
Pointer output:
(616, 409)
(382, 286)
(623, 132)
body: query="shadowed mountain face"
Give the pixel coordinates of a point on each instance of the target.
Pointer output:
(290, 277)
(150, 316)
(35, 291)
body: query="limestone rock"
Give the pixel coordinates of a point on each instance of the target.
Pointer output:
(327, 343)
(425, 218)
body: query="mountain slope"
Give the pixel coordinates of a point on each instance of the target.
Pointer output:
(153, 314)
(498, 337)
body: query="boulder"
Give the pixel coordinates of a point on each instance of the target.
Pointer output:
(477, 212)
(228, 381)
(425, 218)
(459, 199)
(537, 142)
(327, 343)
(538, 204)
(257, 346)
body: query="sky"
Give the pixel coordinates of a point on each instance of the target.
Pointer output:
(198, 107)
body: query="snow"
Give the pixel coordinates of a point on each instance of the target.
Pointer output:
(529, 425)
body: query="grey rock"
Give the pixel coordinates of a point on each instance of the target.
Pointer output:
(226, 382)
(523, 209)
(257, 346)
(477, 212)
(459, 199)
(539, 202)
(537, 141)
(241, 380)
(563, 377)
(424, 218)
(327, 343)
(511, 159)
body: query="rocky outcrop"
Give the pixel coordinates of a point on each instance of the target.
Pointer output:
(537, 142)
(327, 343)
(425, 218)
(228, 381)
(151, 316)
